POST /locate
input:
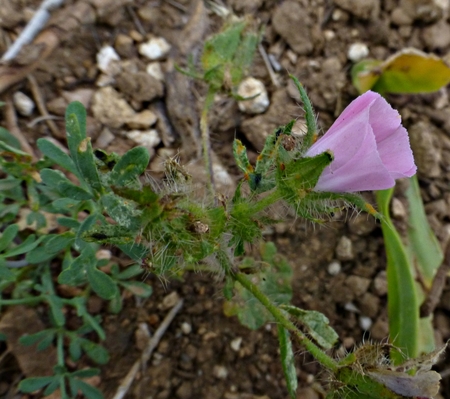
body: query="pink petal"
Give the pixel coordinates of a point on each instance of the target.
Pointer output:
(370, 146)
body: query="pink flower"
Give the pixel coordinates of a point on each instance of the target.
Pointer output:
(370, 146)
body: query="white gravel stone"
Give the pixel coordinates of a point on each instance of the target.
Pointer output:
(236, 344)
(105, 56)
(334, 268)
(154, 69)
(357, 51)
(23, 103)
(110, 108)
(251, 87)
(186, 328)
(155, 49)
(220, 372)
(365, 323)
(148, 138)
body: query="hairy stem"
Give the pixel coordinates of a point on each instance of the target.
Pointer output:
(281, 318)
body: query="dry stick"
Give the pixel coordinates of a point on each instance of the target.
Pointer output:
(41, 106)
(13, 128)
(268, 65)
(127, 381)
(34, 26)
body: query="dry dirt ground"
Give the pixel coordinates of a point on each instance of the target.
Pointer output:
(339, 268)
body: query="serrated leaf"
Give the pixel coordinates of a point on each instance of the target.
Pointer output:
(130, 166)
(57, 155)
(103, 285)
(317, 325)
(287, 360)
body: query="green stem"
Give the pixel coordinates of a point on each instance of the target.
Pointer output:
(60, 349)
(266, 201)
(23, 301)
(281, 318)
(206, 145)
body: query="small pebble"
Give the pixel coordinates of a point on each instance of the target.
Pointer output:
(344, 249)
(334, 268)
(148, 138)
(155, 49)
(105, 57)
(186, 328)
(23, 103)
(251, 87)
(357, 51)
(365, 323)
(169, 301)
(154, 69)
(105, 138)
(398, 209)
(351, 307)
(236, 344)
(220, 372)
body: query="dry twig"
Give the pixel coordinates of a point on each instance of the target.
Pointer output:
(41, 106)
(127, 381)
(13, 128)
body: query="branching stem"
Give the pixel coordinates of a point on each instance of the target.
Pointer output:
(281, 318)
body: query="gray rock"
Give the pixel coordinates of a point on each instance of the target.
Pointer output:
(367, 9)
(292, 23)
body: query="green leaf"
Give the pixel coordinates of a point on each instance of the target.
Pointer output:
(130, 272)
(86, 373)
(9, 183)
(403, 309)
(57, 155)
(424, 245)
(287, 360)
(138, 288)
(56, 307)
(14, 150)
(75, 274)
(8, 138)
(273, 279)
(32, 384)
(53, 178)
(8, 236)
(103, 285)
(75, 349)
(80, 146)
(59, 242)
(31, 339)
(88, 390)
(25, 247)
(70, 190)
(95, 351)
(130, 166)
(407, 71)
(317, 325)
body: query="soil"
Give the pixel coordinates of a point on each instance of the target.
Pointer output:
(339, 267)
